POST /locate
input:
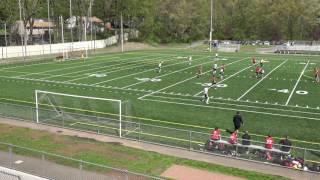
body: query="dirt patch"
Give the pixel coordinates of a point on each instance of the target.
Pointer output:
(187, 173)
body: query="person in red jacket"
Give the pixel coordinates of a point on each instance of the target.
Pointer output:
(254, 61)
(216, 134)
(269, 142)
(234, 137)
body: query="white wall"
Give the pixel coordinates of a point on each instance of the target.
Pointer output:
(34, 50)
(13, 174)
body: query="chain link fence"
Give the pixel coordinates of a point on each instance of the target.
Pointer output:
(300, 158)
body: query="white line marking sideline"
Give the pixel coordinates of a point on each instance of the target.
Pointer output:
(295, 86)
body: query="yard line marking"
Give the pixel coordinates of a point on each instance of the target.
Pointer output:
(231, 109)
(72, 67)
(295, 86)
(145, 62)
(261, 80)
(185, 80)
(228, 78)
(169, 73)
(135, 74)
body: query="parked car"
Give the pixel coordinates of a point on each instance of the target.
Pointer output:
(267, 43)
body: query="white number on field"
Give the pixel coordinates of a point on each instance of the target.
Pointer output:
(286, 91)
(149, 79)
(210, 84)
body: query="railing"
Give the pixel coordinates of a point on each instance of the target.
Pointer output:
(178, 138)
(53, 166)
(7, 176)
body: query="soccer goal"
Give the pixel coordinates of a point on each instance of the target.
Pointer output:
(73, 54)
(229, 48)
(86, 113)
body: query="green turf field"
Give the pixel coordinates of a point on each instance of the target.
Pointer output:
(284, 101)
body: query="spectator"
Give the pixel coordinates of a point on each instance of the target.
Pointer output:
(286, 144)
(216, 134)
(246, 139)
(237, 121)
(234, 137)
(269, 142)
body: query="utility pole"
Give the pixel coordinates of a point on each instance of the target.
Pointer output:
(21, 28)
(49, 23)
(211, 29)
(121, 33)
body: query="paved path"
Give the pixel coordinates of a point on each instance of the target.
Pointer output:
(229, 162)
(43, 168)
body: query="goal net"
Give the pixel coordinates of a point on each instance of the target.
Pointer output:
(229, 47)
(72, 54)
(85, 113)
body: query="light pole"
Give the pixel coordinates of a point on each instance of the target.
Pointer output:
(211, 29)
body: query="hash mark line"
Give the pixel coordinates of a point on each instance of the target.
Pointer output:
(169, 73)
(228, 78)
(260, 80)
(241, 105)
(134, 74)
(185, 80)
(231, 109)
(295, 86)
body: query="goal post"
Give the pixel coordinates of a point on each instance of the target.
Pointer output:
(53, 107)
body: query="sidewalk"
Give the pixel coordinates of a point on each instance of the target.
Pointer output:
(229, 162)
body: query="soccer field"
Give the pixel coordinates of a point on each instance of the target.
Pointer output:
(285, 101)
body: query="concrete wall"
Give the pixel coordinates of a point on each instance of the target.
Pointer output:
(35, 50)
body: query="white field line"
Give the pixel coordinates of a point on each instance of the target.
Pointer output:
(103, 67)
(240, 105)
(20, 72)
(184, 80)
(120, 69)
(227, 78)
(232, 109)
(244, 94)
(136, 73)
(72, 67)
(295, 86)
(169, 73)
(136, 90)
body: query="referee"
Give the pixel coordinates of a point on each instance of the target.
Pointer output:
(237, 121)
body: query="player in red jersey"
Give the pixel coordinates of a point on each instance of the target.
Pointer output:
(269, 142)
(234, 137)
(216, 134)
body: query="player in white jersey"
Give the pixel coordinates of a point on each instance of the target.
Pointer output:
(160, 66)
(206, 95)
(190, 60)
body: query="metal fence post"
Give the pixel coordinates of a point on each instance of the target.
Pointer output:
(10, 157)
(190, 136)
(43, 165)
(126, 175)
(139, 134)
(80, 168)
(304, 153)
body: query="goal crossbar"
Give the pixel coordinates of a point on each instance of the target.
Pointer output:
(82, 97)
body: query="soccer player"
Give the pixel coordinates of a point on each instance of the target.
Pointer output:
(234, 137)
(261, 62)
(199, 72)
(254, 60)
(216, 57)
(259, 72)
(190, 60)
(216, 134)
(214, 74)
(222, 68)
(317, 75)
(206, 95)
(269, 142)
(160, 66)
